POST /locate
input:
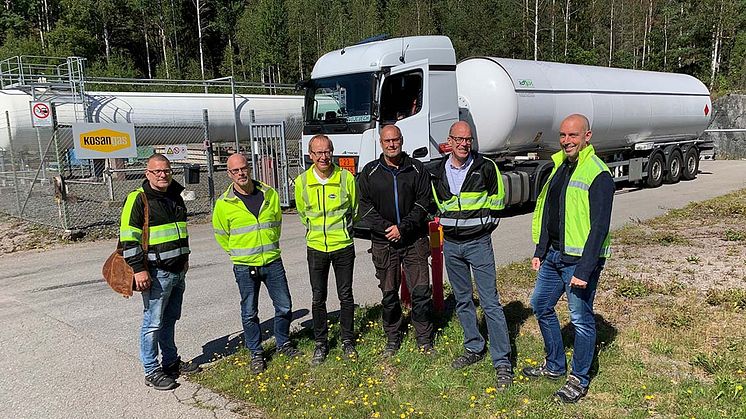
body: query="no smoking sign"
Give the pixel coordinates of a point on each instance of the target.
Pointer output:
(41, 115)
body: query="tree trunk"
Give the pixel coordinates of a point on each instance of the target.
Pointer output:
(165, 53)
(611, 33)
(717, 34)
(567, 25)
(147, 46)
(536, 30)
(199, 34)
(46, 15)
(107, 46)
(552, 28)
(176, 39)
(665, 41)
(300, 57)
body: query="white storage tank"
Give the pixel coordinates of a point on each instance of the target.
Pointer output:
(517, 105)
(168, 109)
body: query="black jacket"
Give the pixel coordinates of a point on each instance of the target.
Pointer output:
(164, 208)
(391, 196)
(482, 176)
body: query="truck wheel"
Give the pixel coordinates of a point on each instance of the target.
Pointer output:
(656, 165)
(691, 164)
(675, 163)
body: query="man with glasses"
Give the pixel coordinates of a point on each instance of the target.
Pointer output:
(247, 222)
(394, 197)
(469, 194)
(159, 273)
(326, 199)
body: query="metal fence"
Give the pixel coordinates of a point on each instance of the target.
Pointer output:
(42, 181)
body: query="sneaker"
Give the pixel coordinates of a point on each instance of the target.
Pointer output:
(467, 359)
(572, 391)
(427, 349)
(180, 367)
(160, 380)
(319, 354)
(348, 348)
(289, 351)
(504, 375)
(257, 364)
(391, 348)
(541, 371)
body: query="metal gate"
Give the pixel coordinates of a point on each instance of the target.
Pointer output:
(269, 158)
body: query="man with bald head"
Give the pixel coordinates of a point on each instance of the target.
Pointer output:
(572, 244)
(394, 197)
(247, 222)
(469, 193)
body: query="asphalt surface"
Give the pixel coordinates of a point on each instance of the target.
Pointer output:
(69, 345)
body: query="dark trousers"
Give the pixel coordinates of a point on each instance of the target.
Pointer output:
(343, 262)
(388, 261)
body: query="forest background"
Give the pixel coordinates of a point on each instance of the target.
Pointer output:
(279, 40)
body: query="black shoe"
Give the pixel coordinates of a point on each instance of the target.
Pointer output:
(257, 364)
(572, 391)
(348, 348)
(180, 367)
(427, 349)
(160, 380)
(504, 376)
(541, 371)
(319, 354)
(467, 359)
(289, 351)
(391, 348)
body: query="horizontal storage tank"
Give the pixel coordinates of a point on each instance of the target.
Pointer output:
(517, 106)
(154, 109)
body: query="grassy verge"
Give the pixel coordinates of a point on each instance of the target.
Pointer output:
(667, 345)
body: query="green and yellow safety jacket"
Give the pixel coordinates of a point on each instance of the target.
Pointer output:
(327, 210)
(247, 239)
(577, 213)
(168, 239)
(472, 213)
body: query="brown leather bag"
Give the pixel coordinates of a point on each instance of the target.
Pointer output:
(117, 272)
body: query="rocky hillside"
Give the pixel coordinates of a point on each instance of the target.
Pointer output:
(730, 112)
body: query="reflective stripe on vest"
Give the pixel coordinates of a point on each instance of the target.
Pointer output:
(577, 207)
(169, 254)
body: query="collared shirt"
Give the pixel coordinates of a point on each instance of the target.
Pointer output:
(456, 175)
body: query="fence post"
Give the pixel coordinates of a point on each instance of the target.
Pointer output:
(13, 163)
(210, 158)
(55, 135)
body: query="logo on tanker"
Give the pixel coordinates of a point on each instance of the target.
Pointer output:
(105, 140)
(526, 83)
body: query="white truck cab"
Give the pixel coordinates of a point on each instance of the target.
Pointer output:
(354, 91)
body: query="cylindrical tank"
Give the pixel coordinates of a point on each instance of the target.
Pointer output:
(517, 105)
(154, 109)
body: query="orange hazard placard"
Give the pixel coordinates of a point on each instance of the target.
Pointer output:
(347, 163)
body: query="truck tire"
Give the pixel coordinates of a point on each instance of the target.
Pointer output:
(691, 164)
(674, 166)
(656, 168)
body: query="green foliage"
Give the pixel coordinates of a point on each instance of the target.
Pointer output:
(630, 288)
(735, 298)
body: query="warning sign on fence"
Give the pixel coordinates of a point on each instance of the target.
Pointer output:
(175, 152)
(41, 115)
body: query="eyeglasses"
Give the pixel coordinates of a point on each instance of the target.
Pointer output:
(391, 140)
(461, 140)
(161, 172)
(238, 170)
(322, 153)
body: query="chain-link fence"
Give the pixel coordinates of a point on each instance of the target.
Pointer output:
(42, 181)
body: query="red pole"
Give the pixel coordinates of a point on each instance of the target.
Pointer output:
(436, 252)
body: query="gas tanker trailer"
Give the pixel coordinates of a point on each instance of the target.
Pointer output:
(646, 125)
(156, 111)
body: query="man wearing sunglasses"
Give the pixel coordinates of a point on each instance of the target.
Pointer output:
(326, 200)
(159, 273)
(247, 222)
(469, 194)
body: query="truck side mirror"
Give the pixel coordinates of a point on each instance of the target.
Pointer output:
(420, 153)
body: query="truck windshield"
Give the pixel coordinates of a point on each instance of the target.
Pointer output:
(344, 100)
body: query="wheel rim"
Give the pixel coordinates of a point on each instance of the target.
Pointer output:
(675, 168)
(657, 169)
(691, 164)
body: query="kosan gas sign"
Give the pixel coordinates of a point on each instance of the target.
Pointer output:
(103, 141)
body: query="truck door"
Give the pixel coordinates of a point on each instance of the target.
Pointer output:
(404, 101)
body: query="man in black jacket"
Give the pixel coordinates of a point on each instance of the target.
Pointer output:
(394, 196)
(160, 272)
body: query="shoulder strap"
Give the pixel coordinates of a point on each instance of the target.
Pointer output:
(145, 224)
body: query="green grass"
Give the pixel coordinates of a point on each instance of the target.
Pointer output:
(663, 351)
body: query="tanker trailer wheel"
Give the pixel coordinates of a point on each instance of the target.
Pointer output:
(656, 165)
(691, 164)
(675, 163)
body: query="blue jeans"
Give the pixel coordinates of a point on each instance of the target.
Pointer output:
(477, 257)
(249, 278)
(162, 307)
(552, 281)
